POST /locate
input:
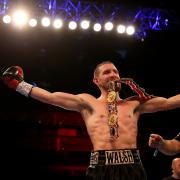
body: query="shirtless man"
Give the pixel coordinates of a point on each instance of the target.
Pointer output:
(111, 121)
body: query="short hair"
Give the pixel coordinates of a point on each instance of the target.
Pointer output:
(96, 70)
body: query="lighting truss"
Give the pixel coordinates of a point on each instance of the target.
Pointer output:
(144, 18)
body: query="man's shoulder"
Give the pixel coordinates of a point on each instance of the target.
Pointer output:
(140, 99)
(86, 95)
(133, 98)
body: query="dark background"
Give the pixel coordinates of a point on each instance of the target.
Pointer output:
(64, 61)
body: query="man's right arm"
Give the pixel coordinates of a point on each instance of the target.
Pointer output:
(13, 77)
(64, 100)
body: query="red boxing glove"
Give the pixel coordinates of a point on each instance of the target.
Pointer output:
(13, 77)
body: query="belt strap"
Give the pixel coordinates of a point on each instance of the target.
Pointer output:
(115, 157)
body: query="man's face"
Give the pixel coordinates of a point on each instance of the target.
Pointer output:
(107, 73)
(176, 166)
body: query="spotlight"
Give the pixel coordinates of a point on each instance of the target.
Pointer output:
(58, 23)
(32, 22)
(85, 24)
(45, 22)
(121, 29)
(97, 27)
(72, 25)
(20, 17)
(7, 19)
(108, 26)
(130, 30)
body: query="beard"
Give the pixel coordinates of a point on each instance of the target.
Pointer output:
(112, 84)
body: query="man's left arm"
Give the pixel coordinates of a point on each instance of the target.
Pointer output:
(159, 104)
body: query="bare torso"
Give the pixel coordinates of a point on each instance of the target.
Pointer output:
(95, 112)
(97, 124)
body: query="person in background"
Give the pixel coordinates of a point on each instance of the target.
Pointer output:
(175, 170)
(167, 147)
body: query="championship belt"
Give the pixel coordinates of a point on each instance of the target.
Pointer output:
(111, 96)
(112, 109)
(112, 102)
(112, 120)
(136, 88)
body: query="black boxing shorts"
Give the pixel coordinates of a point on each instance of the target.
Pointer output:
(121, 164)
